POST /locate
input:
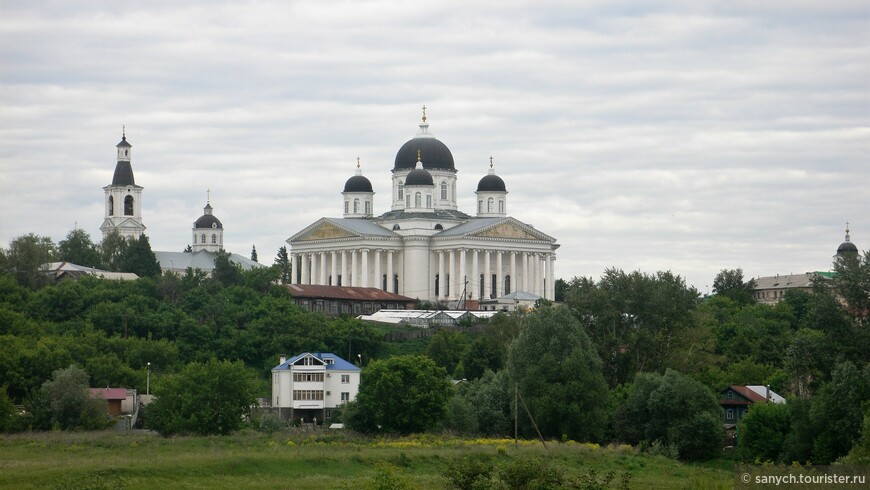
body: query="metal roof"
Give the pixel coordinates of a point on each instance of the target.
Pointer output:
(345, 292)
(337, 364)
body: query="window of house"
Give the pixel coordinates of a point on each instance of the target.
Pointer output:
(357, 308)
(308, 394)
(507, 284)
(345, 396)
(730, 395)
(396, 283)
(443, 190)
(401, 190)
(418, 200)
(447, 285)
(128, 206)
(729, 414)
(307, 377)
(345, 379)
(213, 238)
(355, 206)
(203, 238)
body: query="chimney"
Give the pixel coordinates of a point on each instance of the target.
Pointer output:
(282, 359)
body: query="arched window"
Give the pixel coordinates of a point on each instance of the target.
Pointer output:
(428, 201)
(346, 206)
(489, 203)
(214, 238)
(439, 227)
(194, 238)
(128, 206)
(501, 205)
(384, 282)
(447, 285)
(418, 200)
(396, 283)
(203, 238)
(397, 227)
(339, 280)
(356, 206)
(408, 201)
(401, 190)
(494, 293)
(443, 190)
(481, 287)
(437, 286)
(368, 207)
(479, 206)
(507, 284)
(111, 206)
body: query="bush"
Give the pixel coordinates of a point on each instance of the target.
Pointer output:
(472, 473)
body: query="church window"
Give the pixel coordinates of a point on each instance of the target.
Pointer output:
(481, 287)
(128, 206)
(428, 201)
(418, 200)
(443, 190)
(346, 206)
(447, 285)
(480, 206)
(408, 201)
(507, 284)
(368, 207)
(397, 227)
(203, 238)
(437, 288)
(401, 190)
(194, 238)
(489, 203)
(396, 283)
(339, 280)
(494, 292)
(384, 282)
(111, 206)
(500, 205)
(214, 238)
(356, 206)
(439, 227)
(329, 281)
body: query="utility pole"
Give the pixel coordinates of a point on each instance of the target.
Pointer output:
(148, 382)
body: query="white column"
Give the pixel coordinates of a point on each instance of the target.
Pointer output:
(461, 292)
(487, 275)
(551, 278)
(334, 268)
(378, 280)
(499, 275)
(293, 268)
(344, 269)
(538, 275)
(513, 272)
(390, 271)
(322, 263)
(442, 289)
(304, 278)
(364, 272)
(452, 274)
(354, 277)
(475, 274)
(525, 259)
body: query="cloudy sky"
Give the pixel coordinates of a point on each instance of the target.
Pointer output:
(687, 136)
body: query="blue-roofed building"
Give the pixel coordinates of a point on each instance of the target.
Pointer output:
(308, 387)
(424, 247)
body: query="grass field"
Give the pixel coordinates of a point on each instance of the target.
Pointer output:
(97, 460)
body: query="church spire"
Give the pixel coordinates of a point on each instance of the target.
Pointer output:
(424, 126)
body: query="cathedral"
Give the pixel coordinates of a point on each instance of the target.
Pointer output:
(424, 247)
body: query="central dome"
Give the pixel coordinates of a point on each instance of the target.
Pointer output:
(358, 183)
(435, 155)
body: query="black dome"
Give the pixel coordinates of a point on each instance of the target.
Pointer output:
(433, 153)
(206, 221)
(491, 183)
(419, 176)
(123, 174)
(358, 183)
(847, 247)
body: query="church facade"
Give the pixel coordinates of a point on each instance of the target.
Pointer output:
(123, 198)
(424, 247)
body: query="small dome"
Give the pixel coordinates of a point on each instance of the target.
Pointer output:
(419, 176)
(491, 183)
(208, 221)
(123, 143)
(847, 247)
(358, 183)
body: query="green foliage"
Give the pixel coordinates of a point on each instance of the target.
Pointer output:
(837, 412)
(446, 348)
(204, 399)
(558, 373)
(254, 253)
(852, 281)
(138, 258)
(860, 453)
(484, 353)
(226, 272)
(285, 268)
(531, 474)
(471, 473)
(763, 432)
(403, 394)
(635, 320)
(80, 250)
(490, 398)
(730, 283)
(66, 403)
(673, 409)
(460, 415)
(25, 258)
(112, 250)
(7, 411)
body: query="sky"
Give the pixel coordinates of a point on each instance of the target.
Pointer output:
(688, 136)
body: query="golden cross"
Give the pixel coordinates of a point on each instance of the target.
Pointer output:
(424, 113)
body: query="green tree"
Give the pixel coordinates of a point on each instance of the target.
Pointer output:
(282, 262)
(446, 349)
(26, 258)
(673, 409)
(852, 282)
(403, 394)
(80, 250)
(69, 404)
(139, 259)
(204, 398)
(837, 412)
(112, 250)
(7, 411)
(558, 373)
(491, 398)
(763, 432)
(483, 353)
(254, 253)
(730, 283)
(561, 290)
(226, 272)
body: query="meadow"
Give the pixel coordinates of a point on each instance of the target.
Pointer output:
(320, 460)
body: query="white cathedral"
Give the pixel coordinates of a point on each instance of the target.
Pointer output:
(424, 247)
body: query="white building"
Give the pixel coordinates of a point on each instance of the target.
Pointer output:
(424, 247)
(123, 198)
(312, 385)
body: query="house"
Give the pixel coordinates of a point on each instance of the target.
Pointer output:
(735, 401)
(346, 300)
(517, 300)
(121, 401)
(59, 271)
(771, 289)
(310, 386)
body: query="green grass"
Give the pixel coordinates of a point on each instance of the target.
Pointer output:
(299, 460)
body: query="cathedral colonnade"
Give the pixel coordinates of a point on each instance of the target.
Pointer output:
(480, 272)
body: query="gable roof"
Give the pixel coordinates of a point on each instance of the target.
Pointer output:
(109, 393)
(345, 292)
(753, 393)
(202, 260)
(785, 281)
(332, 228)
(338, 364)
(477, 227)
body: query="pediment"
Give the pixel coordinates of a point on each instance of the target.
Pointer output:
(507, 230)
(326, 230)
